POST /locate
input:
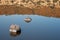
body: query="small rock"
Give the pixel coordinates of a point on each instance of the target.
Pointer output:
(28, 19)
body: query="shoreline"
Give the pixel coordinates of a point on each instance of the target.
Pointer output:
(44, 11)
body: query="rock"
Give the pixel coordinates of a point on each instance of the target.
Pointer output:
(14, 28)
(28, 19)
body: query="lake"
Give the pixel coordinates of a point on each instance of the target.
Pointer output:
(40, 27)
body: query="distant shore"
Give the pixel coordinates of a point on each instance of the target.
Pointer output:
(45, 11)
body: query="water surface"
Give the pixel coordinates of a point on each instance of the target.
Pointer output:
(40, 28)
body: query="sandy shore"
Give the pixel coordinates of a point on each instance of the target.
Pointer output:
(45, 11)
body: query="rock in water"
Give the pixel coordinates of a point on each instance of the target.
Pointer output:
(28, 19)
(14, 28)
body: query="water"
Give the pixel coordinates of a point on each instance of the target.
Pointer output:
(40, 28)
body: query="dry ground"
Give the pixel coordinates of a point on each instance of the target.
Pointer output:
(46, 11)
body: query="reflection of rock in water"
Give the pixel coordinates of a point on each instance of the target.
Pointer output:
(14, 34)
(28, 19)
(14, 30)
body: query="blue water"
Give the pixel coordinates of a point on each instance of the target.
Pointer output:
(40, 28)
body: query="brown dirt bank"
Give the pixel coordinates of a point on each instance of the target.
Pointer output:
(45, 11)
